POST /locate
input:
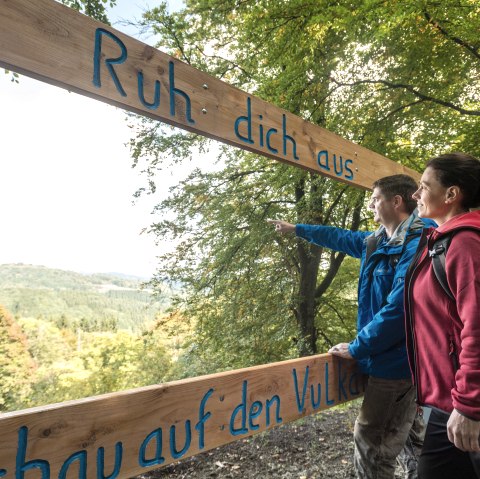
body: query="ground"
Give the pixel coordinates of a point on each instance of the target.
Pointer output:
(314, 447)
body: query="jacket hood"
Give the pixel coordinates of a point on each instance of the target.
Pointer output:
(465, 220)
(409, 226)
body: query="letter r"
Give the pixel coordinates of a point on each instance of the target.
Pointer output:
(109, 61)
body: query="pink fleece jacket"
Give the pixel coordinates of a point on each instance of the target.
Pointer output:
(438, 327)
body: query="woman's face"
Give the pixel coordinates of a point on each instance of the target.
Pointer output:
(431, 197)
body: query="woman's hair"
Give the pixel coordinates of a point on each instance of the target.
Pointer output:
(462, 170)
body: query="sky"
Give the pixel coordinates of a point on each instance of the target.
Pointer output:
(67, 184)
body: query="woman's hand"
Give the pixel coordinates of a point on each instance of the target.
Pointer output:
(463, 432)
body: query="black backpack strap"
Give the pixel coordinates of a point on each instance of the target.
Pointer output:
(395, 258)
(438, 254)
(372, 242)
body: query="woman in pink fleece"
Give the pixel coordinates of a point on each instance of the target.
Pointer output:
(443, 333)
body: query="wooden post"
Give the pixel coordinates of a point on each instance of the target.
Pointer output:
(124, 434)
(53, 43)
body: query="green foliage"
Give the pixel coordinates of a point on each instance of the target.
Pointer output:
(16, 365)
(240, 280)
(93, 8)
(64, 341)
(97, 302)
(400, 78)
(42, 364)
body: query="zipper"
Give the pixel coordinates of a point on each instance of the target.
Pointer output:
(452, 352)
(414, 265)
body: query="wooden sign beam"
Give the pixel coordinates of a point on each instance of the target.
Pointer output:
(53, 43)
(120, 435)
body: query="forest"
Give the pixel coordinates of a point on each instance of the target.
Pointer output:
(401, 78)
(64, 335)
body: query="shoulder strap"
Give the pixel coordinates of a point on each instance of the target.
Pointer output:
(438, 253)
(395, 258)
(372, 243)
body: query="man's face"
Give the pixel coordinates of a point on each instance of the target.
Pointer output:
(382, 207)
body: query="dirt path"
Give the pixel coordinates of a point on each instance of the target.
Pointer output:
(315, 447)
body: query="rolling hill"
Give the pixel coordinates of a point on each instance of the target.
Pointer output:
(97, 301)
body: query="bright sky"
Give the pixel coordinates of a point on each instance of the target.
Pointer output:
(66, 178)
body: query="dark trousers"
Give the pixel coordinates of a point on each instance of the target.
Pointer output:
(440, 459)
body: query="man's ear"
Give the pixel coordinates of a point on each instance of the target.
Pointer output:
(397, 201)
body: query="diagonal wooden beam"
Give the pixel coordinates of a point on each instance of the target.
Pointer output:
(53, 43)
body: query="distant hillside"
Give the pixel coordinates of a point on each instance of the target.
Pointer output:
(98, 301)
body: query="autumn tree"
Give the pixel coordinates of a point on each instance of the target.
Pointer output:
(16, 364)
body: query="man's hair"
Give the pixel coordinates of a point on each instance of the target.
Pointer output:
(401, 185)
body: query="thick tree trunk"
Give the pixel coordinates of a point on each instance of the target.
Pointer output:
(310, 292)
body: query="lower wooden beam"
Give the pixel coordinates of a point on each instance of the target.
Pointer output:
(120, 435)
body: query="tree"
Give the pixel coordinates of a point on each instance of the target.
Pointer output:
(371, 71)
(16, 364)
(250, 295)
(93, 8)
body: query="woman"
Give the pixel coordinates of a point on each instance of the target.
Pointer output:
(443, 334)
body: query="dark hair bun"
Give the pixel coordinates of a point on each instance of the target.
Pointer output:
(462, 170)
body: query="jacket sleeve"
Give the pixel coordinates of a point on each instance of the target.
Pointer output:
(462, 274)
(338, 239)
(387, 327)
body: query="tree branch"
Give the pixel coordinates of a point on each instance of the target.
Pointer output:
(474, 51)
(414, 91)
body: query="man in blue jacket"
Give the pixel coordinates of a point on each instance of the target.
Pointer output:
(386, 423)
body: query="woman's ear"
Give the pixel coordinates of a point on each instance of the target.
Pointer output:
(453, 194)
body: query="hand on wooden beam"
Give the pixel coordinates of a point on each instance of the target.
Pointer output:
(341, 350)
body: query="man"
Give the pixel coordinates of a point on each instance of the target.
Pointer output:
(388, 411)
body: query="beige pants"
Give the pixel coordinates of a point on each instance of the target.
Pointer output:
(386, 427)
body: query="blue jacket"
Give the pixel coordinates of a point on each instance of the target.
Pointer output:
(379, 347)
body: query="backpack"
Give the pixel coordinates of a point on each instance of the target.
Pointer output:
(438, 254)
(372, 243)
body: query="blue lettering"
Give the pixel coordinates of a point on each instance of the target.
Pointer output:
(338, 173)
(248, 119)
(323, 155)
(328, 401)
(341, 380)
(316, 404)
(242, 408)
(81, 457)
(350, 175)
(158, 459)
(109, 61)
(355, 390)
(202, 417)
(255, 411)
(21, 465)
(300, 403)
(141, 94)
(276, 399)
(173, 443)
(175, 91)
(270, 132)
(260, 130)
(288, 138)
(101, 462)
